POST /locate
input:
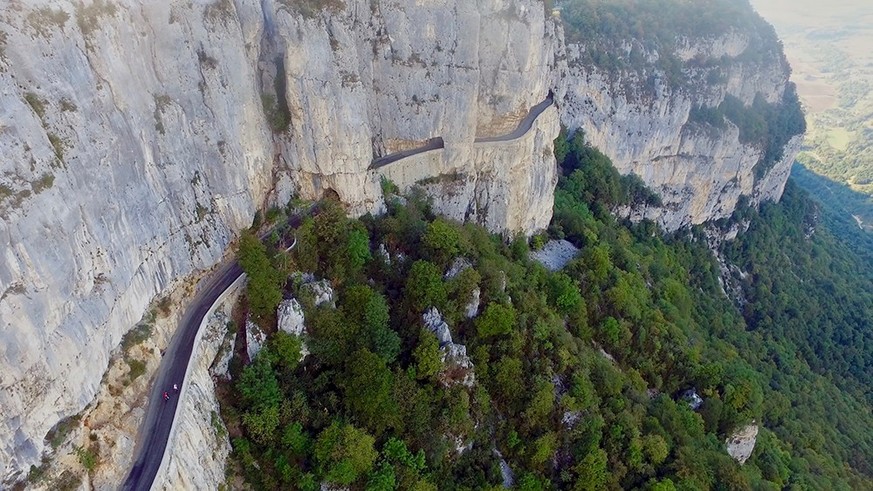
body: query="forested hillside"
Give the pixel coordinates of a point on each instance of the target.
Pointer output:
(566, 380)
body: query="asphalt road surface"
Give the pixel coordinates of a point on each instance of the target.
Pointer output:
(434, 143)
(524, 126)
(155, 431)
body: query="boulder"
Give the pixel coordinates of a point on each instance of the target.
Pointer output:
(741, 444)
(290, 317)
(434, 322)
(458, 265)
(255, 339)
(472, 309)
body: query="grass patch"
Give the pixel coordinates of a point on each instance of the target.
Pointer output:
(311, 8)
(6, 191)
(217, 425)
(36, 103)
(67, 481)
(137, 335)
(441, 179)
(162, 102)
(56, 436)
(68, 106)
(137, 368)
(86, 456)
(90, 17)
(37, 473)
(388, 186)
(221, 9)
(57, 145)
(43, 183)
(42, 20)
(277, 119)
(164, 306)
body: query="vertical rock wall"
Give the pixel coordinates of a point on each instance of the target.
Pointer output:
(643, 121)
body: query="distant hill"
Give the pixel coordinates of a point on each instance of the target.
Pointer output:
(829, 51)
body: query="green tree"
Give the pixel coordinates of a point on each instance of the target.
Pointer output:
(358, 249)
(369, 309)
(591, 473)
(368, 390)
(425, 287)
(343, 454)
(441, 240)
(264, 283)
(497, 319)
(283, 349)
(563, 293)
(427, 356)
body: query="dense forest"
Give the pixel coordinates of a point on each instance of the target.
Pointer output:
(553, 380)
(849, 213)
(620, 36)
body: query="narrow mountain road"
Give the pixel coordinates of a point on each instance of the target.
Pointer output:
(435, 143)
(523, 126)
(155, 430)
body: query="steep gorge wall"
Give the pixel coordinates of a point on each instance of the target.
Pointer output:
(136, 146)
(379, 77)
(640, 113)
(134, 150)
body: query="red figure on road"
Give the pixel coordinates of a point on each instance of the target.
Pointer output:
(166, 396)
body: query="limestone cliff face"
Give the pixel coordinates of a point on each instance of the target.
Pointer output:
(136, 145)
(642, 118)
(379, 77)
(134, 149)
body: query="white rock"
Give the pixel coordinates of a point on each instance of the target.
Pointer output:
(472, 308)
(290, 317)
(255, 339)
(457, 366)
(322, 292)
(571, 418)
(555, 254)
(741, 444)
(693, 399)
(434, 322)
(458, 265)
(505, 471)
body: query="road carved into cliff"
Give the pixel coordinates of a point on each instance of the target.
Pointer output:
(437, 143)
(160, 414)
(156, 429)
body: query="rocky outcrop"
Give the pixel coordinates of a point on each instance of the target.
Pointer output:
(290, 317)
(555, 254)
(741, 444)
(643, 118)
(255, 339)
(457, 368)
